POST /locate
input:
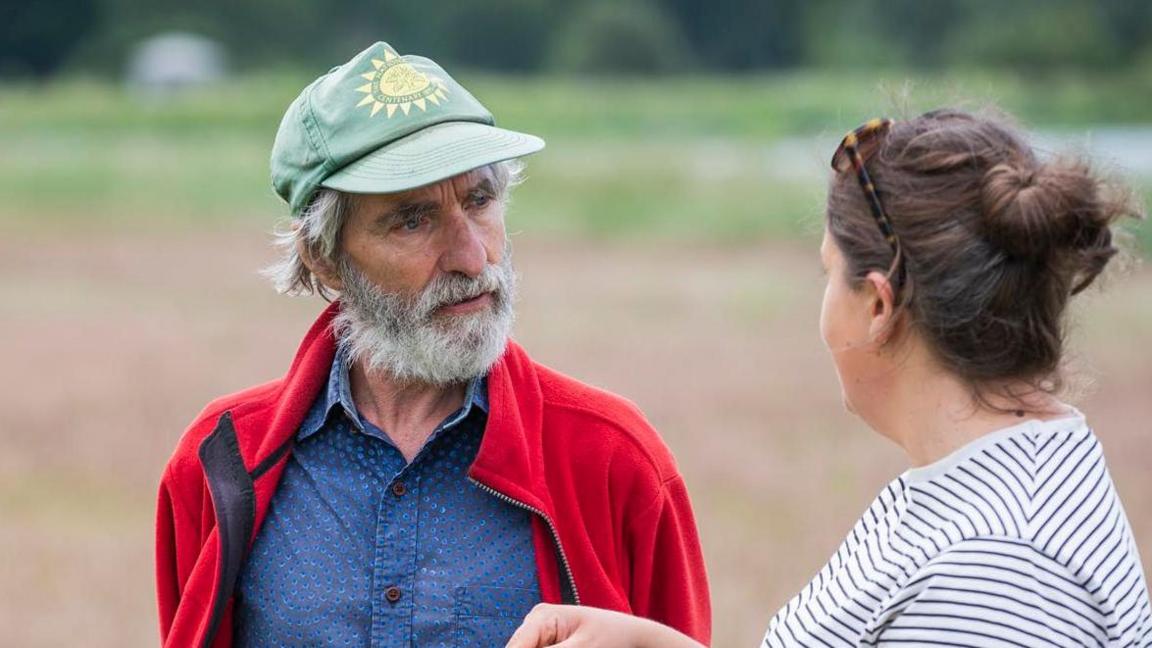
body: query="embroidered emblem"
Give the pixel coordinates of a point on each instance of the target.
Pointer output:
(395, 83)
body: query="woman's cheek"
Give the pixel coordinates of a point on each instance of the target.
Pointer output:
(825, 317)
(846, 358)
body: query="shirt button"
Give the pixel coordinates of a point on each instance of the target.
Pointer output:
(399, 489)
(392, 594)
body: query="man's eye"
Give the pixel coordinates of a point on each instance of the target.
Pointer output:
(480, 200)
(411, 223)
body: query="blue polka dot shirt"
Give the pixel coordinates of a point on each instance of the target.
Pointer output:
(360, 548)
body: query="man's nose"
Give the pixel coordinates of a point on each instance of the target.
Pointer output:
(464, 251)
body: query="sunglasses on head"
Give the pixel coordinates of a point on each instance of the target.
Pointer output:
(855, 148)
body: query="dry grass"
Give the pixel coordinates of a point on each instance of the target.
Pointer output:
(112, 342)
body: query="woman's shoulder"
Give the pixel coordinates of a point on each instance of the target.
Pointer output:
(1043, 483)
(1020, 482)
(1032, 510)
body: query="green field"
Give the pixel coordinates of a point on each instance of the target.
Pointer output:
(718, 158)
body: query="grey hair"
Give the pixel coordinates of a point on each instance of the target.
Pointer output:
(318, 228)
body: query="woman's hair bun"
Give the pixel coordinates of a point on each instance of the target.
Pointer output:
(994, 238)
(1032, 210)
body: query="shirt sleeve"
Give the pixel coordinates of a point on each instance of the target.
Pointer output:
(996, 593)
(668, 582)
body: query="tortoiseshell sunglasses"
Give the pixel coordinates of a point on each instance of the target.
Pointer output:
(857, 147)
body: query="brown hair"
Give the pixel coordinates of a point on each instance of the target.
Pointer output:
(993, 240)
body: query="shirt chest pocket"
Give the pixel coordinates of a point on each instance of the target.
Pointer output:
(487, 616)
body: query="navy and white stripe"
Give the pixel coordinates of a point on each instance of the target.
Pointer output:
(1017, 539)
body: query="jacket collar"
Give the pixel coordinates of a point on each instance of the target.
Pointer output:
(264, 425)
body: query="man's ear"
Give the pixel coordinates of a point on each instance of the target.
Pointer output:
(882, 305)
(324, 270)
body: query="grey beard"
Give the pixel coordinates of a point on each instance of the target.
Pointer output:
(401, 335)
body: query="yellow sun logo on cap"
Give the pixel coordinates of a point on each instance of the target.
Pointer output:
(395, 83)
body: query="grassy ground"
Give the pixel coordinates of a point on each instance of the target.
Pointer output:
(706, 158)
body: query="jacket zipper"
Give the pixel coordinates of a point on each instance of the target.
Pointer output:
(551, 527)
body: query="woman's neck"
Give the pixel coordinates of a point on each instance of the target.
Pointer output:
(931, 413)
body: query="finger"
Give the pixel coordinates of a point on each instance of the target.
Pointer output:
(539, 629)
(526, 636)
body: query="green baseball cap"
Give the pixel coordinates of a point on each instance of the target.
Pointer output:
(383, 123)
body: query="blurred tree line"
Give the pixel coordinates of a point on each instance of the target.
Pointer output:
(41, 37)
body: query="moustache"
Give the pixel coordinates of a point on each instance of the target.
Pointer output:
(452, 289)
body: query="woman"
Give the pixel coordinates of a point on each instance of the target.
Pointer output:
(951, 251)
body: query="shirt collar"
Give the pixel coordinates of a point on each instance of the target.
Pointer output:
(338, 394)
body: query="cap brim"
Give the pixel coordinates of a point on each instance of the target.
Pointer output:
(430, 155)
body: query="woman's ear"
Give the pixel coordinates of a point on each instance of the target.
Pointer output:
(882, 304)
(321, 268)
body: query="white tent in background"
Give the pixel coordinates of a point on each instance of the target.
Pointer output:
(173, 61)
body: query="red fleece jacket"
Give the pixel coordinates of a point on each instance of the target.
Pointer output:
(605, 491)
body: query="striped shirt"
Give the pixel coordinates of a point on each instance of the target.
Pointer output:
(1017, 539)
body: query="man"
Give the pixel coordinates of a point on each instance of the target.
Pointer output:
(415, 478)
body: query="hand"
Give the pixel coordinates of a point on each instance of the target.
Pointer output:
(568, 626)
